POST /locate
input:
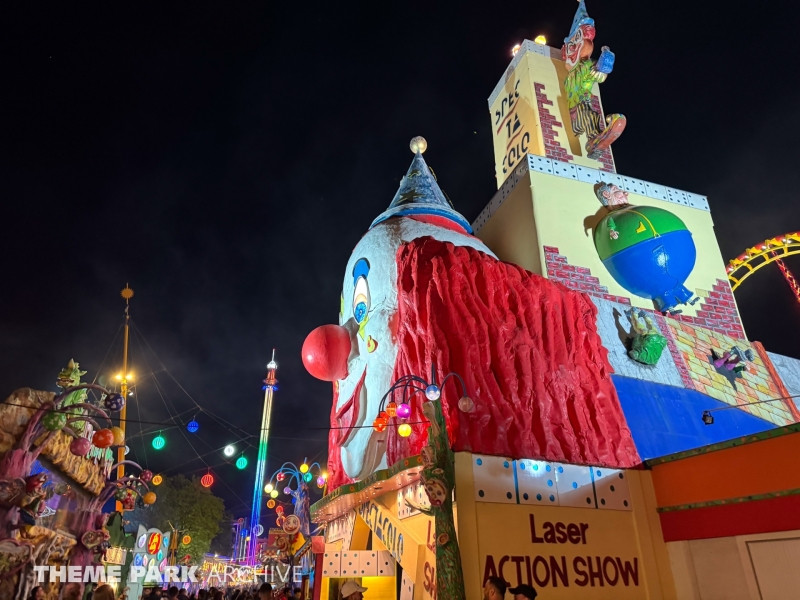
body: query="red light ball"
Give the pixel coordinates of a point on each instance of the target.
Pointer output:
(325, 352)
(207, 480)
(103, 438)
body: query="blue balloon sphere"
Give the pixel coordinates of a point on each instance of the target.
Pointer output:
(192, 426)
(656, 268)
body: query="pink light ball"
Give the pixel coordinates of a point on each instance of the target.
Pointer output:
(80, 446)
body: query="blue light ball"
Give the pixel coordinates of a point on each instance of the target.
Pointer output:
(192, 426)
(432, 392)
(114, 402)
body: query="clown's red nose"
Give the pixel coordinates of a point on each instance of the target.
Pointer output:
(325, 352)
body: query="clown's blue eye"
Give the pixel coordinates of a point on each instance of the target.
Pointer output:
(361, 299)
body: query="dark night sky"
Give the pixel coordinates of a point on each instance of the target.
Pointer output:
(225, 158)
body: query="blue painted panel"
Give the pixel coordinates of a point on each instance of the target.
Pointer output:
(666, 419)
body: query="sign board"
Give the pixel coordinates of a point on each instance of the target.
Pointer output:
(341, 529)
(115, 555)
(388, 529)
(562, 552)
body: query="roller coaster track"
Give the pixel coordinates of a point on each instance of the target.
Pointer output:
(768, 251)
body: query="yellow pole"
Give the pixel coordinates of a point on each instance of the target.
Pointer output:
(127, 293)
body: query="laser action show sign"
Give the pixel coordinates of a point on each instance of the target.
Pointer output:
(563, 552)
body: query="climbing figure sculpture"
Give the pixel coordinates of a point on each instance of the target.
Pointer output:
(583, 73)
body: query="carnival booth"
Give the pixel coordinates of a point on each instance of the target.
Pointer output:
(498, 386)
(56, 463)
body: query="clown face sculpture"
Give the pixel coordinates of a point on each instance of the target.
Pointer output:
(359, 353)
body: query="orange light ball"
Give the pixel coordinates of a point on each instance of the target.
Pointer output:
(119, 436)
(149, 498)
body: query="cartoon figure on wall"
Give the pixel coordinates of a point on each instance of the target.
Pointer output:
(647, 250)
(582, 74)
(647, 343)
(420, 289)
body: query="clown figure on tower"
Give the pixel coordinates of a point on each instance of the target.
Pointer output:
(583, 73)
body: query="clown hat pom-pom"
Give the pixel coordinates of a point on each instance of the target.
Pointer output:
(418, 144)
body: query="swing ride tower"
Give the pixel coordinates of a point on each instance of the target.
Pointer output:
(270, 386)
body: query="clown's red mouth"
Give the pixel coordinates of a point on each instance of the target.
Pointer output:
(347, 415)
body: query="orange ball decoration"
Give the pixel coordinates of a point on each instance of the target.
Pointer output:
(270, 503)
(391, 409)
(379, 424)
(279, 510)
(207, 480)
(103, 438)
(119, 436)
(149, 498)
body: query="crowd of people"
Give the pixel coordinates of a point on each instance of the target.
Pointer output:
(264, 591)
(494, 589)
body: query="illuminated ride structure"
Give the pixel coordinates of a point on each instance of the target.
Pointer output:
(270, 386)
(773, 250)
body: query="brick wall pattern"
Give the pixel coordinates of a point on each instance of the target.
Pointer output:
(695, 345)
(552, 147)
(691, 339)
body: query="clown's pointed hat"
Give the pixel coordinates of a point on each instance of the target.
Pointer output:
(581, 18)
(420, 195)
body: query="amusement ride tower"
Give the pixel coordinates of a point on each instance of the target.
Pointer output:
(270, 386)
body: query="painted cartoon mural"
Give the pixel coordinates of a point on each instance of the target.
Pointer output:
(418, 290)
(647, 250)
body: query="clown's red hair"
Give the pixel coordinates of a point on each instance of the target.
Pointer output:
(528, 350)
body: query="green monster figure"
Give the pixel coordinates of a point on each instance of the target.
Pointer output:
(583, 74)
(70, 376)
(647, 343)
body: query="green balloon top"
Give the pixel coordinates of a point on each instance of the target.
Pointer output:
(632, 225)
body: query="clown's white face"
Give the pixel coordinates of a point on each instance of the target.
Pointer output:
(369, 312)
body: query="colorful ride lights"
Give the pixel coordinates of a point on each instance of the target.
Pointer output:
(192, 426)
(268, 488)
(229, 450)
(159, 442)
(408, 386)
(207, 480)
(304, 468)
(241, 462)
(273, 494)
(432, 392)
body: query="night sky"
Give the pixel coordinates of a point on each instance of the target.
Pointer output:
(224, 159)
